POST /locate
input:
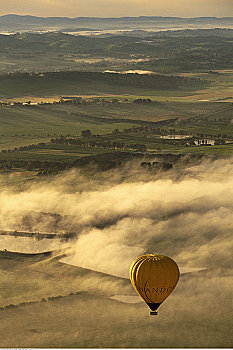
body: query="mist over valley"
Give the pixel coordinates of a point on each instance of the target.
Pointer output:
(136, 216)
(116, 140)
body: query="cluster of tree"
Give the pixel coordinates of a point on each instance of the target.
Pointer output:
(97, 143)
(157, 166)
(106, 161)
(183, 142)
(142, 100)
(99, 162)
(43, 300)
(44, 167)
(219, 142)
(39, 236)
(120, 158)
(70, 101)
(24, 148)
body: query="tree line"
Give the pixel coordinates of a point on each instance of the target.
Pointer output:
(156, 81)
(116, 145)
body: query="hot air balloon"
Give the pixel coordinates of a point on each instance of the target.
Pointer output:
(154, 277)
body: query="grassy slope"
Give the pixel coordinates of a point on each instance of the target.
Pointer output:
(147, 112)
(41, 121)
(40, 276)
(63, 119)
(28, 125)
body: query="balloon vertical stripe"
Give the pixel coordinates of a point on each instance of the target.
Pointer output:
(154, 278)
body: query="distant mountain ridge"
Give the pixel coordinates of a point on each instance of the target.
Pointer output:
(36, 18)
(13, 22)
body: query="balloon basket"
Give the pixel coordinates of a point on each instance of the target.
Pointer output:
(153, 313)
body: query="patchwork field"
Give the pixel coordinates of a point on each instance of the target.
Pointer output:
(113, 145)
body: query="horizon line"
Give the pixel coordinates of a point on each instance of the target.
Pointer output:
(120, 17)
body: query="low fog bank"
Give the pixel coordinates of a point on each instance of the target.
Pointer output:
(197, 315)
(186, 215)
(119, 215)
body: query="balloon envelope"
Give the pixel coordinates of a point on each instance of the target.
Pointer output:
(154, 277)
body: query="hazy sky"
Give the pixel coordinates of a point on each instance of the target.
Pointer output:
(116, 8)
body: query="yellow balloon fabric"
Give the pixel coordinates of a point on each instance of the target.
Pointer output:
(154, 277)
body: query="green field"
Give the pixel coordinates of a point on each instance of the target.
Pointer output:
(97, 168)
(27, 125)
(196, 103)
(102, 117)
(52, 153)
